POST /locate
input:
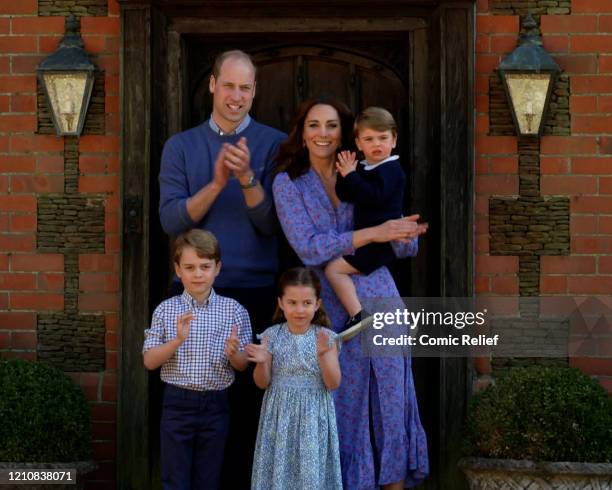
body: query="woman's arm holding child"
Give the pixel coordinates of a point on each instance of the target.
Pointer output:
(156, 356)
(328, 361)
(262, 358)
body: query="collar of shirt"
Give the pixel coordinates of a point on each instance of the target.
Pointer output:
(192, 303)
(239, 129)
(369, 166)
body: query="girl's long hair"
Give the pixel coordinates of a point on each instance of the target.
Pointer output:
(292, 155)
(301, 276)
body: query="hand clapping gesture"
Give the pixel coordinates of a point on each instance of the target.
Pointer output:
(221, 172)
(401, 229)
(238, 158)
(347, 162)
(258, 353)
(232, 344)
(183, 324)
(323, 344)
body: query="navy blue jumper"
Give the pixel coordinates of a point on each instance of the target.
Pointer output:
(247, 236)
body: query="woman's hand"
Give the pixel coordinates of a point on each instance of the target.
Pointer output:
(401, 229)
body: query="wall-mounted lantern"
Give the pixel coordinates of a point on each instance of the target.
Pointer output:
(67, 77)
(529, 74)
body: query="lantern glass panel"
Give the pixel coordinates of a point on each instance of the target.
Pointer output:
(528, 95)
(66, 94)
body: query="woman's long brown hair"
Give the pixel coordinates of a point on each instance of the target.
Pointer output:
(292, 155)
(301, 276)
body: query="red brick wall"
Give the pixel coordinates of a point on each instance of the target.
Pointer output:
(31, 165)
(578, 166)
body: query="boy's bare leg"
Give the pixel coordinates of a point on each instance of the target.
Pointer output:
(338, 273)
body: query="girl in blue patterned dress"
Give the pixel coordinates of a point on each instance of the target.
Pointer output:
(297, 365)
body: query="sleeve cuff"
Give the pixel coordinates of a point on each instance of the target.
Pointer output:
(261, 210)
(347, 240)
(183, 215)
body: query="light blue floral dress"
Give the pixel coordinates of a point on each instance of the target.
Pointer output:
(381, 437)
(297, 440)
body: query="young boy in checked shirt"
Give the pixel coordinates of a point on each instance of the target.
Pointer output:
(198, 339)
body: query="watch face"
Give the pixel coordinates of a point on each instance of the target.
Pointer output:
(251, 183)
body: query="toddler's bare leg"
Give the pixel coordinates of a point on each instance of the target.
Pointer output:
(338, 273)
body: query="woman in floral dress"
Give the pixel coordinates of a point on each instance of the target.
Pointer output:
(382, 441)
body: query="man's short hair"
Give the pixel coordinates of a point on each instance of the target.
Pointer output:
(235, 54)
(375, 118)
(203, 242)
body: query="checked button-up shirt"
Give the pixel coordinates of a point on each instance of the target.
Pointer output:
(199, 363)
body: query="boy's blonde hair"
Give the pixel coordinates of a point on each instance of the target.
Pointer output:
(203, 242)
(375, 118)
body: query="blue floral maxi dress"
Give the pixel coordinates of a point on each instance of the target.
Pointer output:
(297, 440)
(381, 437)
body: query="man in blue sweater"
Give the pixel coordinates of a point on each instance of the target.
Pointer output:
(217, 176)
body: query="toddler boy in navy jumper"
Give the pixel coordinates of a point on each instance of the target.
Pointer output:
(198, 339)
(376, 188)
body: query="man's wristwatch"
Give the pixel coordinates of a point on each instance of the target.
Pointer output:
(250, 184)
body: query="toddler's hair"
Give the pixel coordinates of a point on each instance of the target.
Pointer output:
(203, 242)
(301, 276)
(375, 118)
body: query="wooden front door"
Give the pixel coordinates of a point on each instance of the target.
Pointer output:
(415, 61)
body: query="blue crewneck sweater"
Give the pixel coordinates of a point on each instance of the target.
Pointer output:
(247, 236)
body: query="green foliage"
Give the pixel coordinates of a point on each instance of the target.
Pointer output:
(44, 416)
(541, 414)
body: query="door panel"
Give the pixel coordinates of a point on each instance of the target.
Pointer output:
(275, 102)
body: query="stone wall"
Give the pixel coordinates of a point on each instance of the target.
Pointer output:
(534, 7)
(93, 8)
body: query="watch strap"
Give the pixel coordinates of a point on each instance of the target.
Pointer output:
(250, 184)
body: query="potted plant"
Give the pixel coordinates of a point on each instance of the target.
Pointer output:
(539, 428)
(45, 424)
